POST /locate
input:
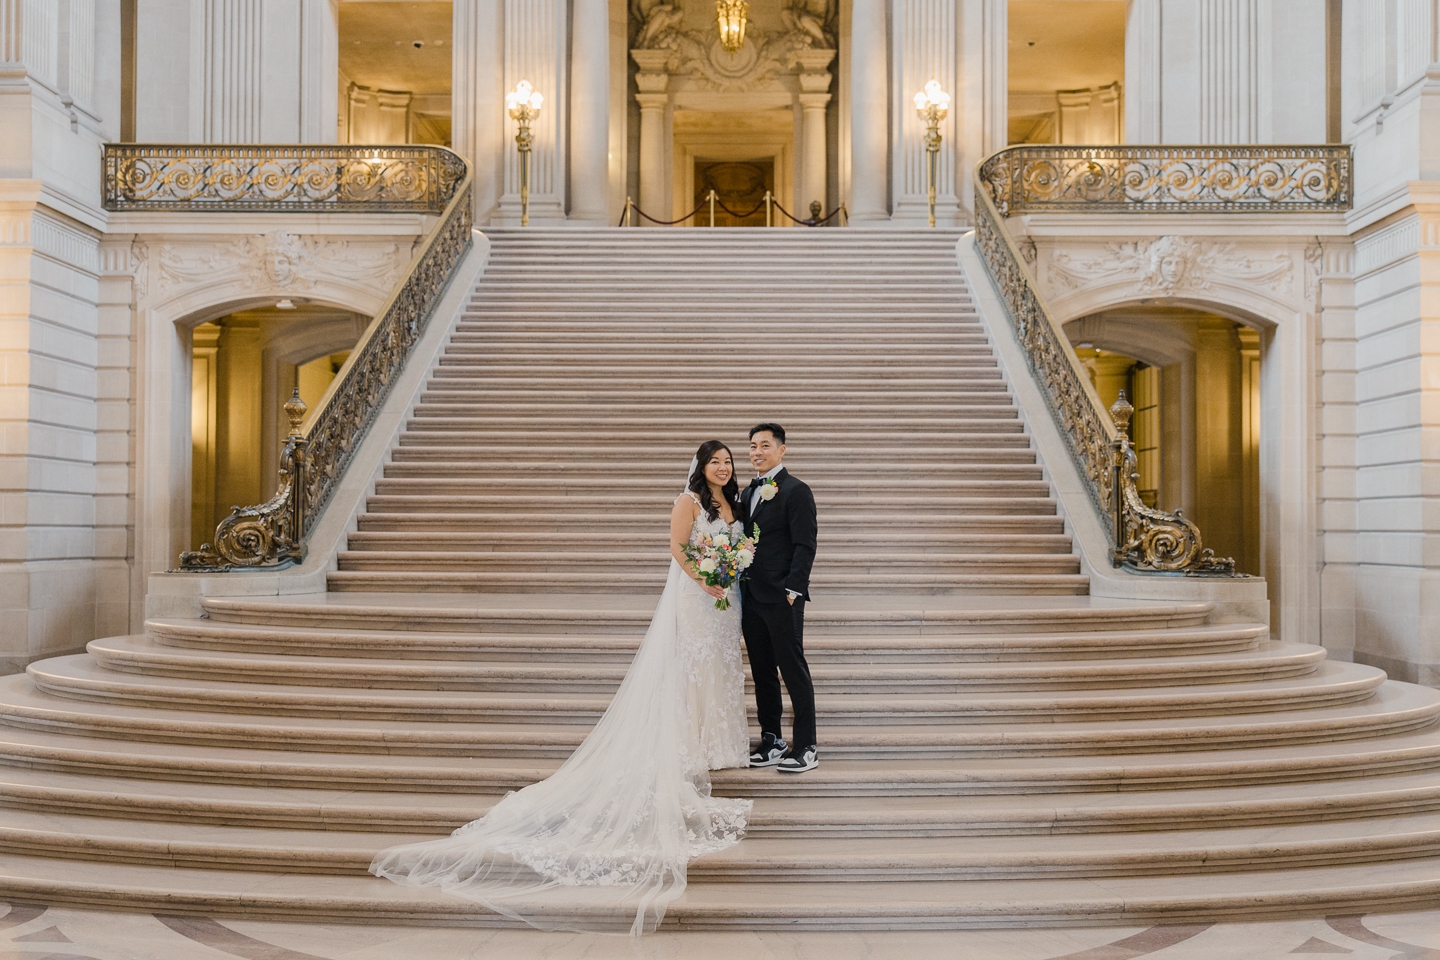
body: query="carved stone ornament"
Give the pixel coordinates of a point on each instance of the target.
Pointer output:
(1170, 265)
(274, 261)
(810, 25)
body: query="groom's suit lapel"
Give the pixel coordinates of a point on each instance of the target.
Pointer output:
(760, 504)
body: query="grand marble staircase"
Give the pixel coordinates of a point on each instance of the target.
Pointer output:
(997, 746)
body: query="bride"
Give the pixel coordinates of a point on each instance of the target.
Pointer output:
(604, 841)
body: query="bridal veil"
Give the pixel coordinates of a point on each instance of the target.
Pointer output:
(603, 844)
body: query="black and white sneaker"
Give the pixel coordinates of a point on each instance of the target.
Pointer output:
(799, 762)
(770, 752)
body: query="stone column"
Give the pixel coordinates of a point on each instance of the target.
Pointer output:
(814, 97)
(654, 198)
(869, 113)
(923, 49)
(590, 112)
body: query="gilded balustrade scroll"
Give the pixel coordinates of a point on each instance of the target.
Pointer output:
(248, 177)
(1258, 179)
(326, 179)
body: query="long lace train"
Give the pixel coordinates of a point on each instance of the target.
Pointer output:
(603, 844)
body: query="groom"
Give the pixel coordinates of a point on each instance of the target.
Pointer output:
(773, 596)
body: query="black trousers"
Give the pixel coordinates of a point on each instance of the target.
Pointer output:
(774, 634)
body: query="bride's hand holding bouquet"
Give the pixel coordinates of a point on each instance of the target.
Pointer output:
(719, 560)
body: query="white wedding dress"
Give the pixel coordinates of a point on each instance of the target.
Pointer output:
(602, 845)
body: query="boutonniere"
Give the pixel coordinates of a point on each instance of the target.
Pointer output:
(768, 488)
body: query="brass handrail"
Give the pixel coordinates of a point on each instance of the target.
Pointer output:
(323, 179)
(1084, 179)
(1165, 179)
(247, 177)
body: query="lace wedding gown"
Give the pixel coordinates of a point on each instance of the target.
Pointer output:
(603, 843)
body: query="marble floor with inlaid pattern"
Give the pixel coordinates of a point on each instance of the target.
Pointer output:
(29, 932)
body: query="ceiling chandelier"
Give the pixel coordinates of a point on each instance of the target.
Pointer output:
(731, 15)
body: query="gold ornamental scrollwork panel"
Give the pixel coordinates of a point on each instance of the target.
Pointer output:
(243, 177)
(1260, 179)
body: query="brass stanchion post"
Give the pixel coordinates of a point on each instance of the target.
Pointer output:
(767, 208)
(712, 207)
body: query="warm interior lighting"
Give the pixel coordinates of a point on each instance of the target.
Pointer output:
(731, 15)
(932, 97)
(524, 101)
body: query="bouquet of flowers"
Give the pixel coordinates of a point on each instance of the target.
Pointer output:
(720, 557)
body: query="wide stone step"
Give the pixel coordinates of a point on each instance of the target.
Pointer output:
(832, 491)
(908, 621)
(598, 504)
(766, 859)
(889, 583)
(567, 559)
(460, 465)
(924, 905)
(595, 645)
(1329, 684)
(977, 453)
(655, 538)
(820, 818)
(497, 521)
(1379, 744)
(536, 670)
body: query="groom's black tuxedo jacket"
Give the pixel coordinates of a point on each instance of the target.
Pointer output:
(787, 540)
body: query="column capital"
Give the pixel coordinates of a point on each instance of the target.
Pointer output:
(814, 101)
(652, 61)
(652, 101)
(814, 60)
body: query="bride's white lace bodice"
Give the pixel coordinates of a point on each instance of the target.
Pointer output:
(709, 648)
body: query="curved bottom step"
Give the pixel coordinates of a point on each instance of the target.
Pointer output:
(929, 905)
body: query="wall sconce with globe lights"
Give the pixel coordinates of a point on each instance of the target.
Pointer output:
(731, 15)
(523, 104)
(932, 104)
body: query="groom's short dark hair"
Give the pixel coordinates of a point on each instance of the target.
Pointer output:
(777, 431)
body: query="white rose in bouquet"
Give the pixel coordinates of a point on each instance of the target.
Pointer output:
(744, 558)
(707, 565)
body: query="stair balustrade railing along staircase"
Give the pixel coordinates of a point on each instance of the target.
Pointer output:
(1138, 179)
(250, 178)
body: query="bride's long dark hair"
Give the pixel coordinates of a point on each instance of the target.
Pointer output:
(699, 486)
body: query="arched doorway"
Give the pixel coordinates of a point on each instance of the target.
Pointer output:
(244, 365)
(1194, 378)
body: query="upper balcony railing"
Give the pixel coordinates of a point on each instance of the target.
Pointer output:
(252, 178)
(315, 179)
(1202, 179)
(1169, 179)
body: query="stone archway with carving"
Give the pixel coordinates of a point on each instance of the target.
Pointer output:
(179, 280)
(1270, 283)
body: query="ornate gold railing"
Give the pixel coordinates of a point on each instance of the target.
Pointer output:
(1247, 179)
(1083, 179)
(329, 180)
(335, 178)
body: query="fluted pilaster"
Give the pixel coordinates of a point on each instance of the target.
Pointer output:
(869, 113)
(590, 112)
